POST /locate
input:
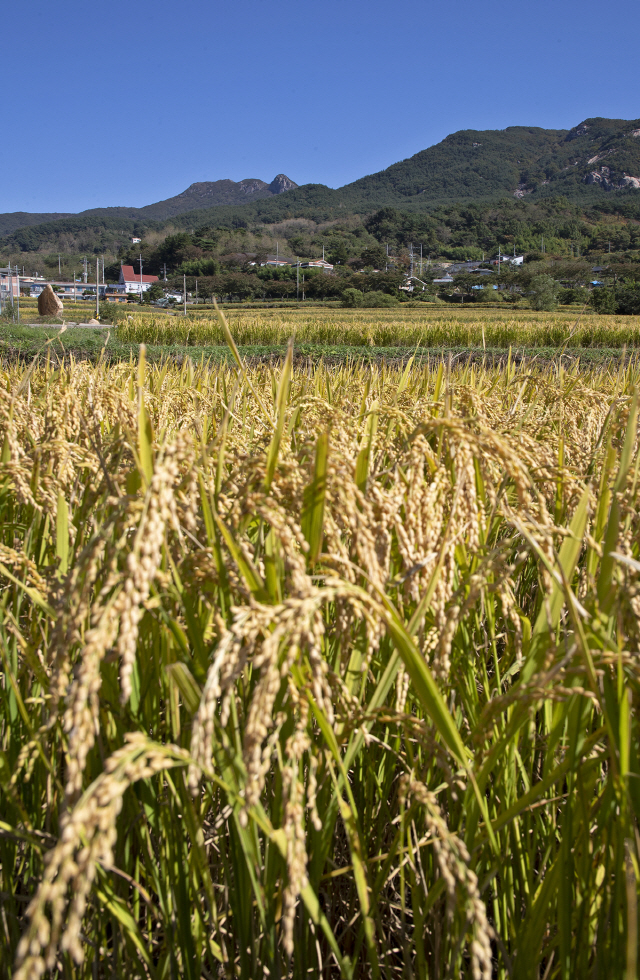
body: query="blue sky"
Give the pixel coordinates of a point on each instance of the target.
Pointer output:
(127, 103)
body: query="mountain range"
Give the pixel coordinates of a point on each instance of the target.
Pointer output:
(205, 194)
(599, 157)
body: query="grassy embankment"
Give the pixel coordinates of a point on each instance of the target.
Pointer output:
(340, 334)
(328, 673)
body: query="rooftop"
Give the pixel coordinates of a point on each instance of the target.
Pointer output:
(129, 275)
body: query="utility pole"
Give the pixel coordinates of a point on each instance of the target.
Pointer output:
(196, 292)
(85, 269)
(297, 279)
(386, 265)
(277, 254)
(165, 271)
(18, 289)
(184, 293)
(75, 291)
(140, 276)
(498, 259)
(103, 282)
(97, 288)
(420, 258)
(59, 268)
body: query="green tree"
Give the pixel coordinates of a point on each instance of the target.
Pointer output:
(464, 282)
(374, 256)
(603, 300)
(544, 293)
(323, 286)
(155, 292)
(338, 253)
(298, 245)
(352, 297)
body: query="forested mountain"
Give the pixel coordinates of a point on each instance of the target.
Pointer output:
(13, 220)
(208, 194)
(519, 160)
(595, 164)
(125, 221)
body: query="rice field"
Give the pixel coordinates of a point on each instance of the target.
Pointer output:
(332, 335)
(322, 672)
(410, 328)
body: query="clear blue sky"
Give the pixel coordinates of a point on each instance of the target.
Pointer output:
(127, 103)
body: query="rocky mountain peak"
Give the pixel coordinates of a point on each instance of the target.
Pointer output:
(281, 183)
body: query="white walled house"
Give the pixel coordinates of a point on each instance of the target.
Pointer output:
(133, 282)
(317, 264)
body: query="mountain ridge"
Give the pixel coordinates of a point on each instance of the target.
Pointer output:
(203, 194)
(596, 158)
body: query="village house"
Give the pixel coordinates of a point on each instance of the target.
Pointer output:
(8, 284)
(134, 282)
(115, 293)
(507, 260)
(317, 264)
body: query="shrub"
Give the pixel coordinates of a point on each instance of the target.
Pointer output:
(378, 299)
(352, 297)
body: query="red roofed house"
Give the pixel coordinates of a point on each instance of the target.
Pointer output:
(133, 282)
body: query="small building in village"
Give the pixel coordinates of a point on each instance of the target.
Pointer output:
(317, 264)
(133, 282)
(277, 262)
(9, 284)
